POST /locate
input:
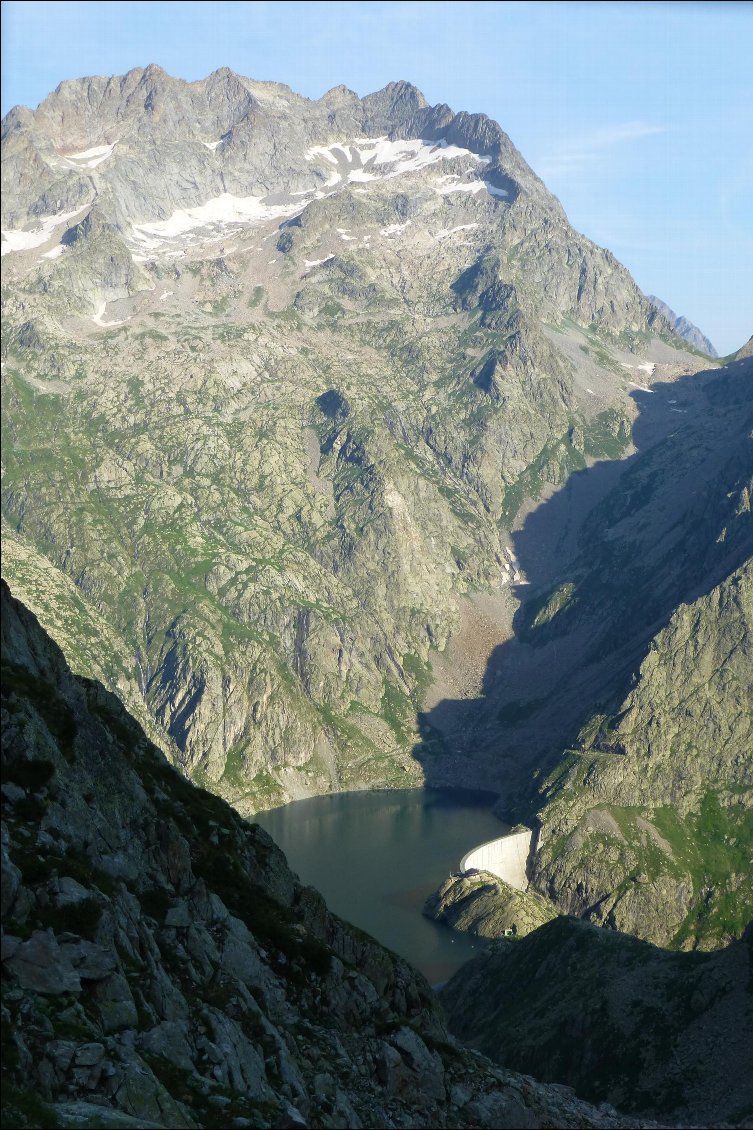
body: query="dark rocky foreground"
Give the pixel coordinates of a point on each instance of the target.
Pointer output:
(619, 1019)
(162, 967)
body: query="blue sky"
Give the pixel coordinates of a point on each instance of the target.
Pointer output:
(638, 116)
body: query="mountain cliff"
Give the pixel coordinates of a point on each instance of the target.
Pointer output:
(642, 643)
(278, 376)
(653, 798)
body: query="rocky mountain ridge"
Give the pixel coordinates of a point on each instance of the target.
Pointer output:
(222, 135)
(684, 327)
(277, 440)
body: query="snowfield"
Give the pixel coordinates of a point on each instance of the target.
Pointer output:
(340, 164)
(221, 212)
(90, 158)
(451, 231)
(99, 320)
(25, 240)
(309, 263)
(378, 158)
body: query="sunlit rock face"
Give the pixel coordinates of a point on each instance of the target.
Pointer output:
(332, 449)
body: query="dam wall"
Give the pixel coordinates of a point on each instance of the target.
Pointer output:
(505, 857)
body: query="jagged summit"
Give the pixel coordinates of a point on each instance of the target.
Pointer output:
(236, 237)
(338, 94)
(145, 131)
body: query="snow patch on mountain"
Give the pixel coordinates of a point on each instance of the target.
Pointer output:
(25, 240)
(644, 366)
(322, 151)
(451, 231)
(378, 158)
(393, 229)
(90, 158)
(98, 317)
(641, 387)
(452, 182)
(213, 218)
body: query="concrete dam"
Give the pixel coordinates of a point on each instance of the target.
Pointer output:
(505, 857)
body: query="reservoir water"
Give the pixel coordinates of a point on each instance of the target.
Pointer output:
(377, 856)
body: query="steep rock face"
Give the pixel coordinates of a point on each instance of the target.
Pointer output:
(653, 797)
(636, 658)
(649, 826)
(194, 268)
(618, 1019)
(163, 967)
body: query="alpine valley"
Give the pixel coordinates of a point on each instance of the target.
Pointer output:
(335, 459)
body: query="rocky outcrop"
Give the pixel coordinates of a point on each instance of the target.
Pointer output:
(620, 1020)
(162, 966)
(484, 905)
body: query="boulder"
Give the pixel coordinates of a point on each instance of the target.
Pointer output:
(41, 965)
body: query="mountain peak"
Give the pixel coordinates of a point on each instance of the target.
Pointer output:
(338, 95)
(398, 96)
(223, 73)
(684, 327)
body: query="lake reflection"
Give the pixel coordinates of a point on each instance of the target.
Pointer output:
(377, 856)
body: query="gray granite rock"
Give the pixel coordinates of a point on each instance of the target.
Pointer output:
(42, 966)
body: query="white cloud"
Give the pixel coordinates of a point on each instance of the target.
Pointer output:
(572, 154)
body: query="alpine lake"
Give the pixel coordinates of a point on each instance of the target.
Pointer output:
(377, 856)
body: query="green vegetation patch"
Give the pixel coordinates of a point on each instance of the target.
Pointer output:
(552, 604)
(708, 851)
(715, 846)
(607, 435)
(554, 463)
(396, 711)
